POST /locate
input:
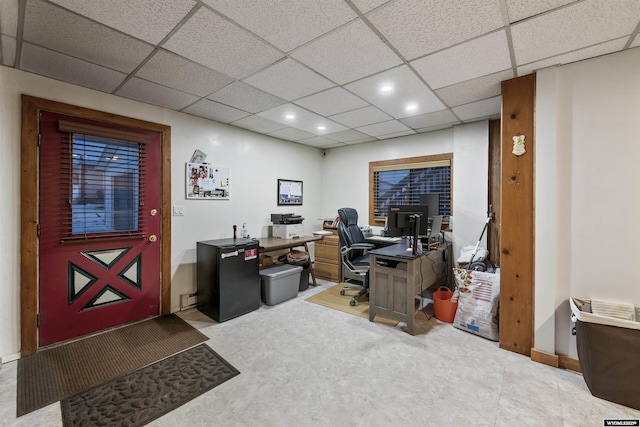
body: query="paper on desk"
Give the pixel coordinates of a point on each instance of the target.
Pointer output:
(322, 233)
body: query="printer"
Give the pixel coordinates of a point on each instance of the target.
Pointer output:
(286, 218)
(287, 225)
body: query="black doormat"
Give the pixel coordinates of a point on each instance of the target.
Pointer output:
(144, 395)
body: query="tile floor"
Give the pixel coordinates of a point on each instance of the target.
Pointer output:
(303, 364)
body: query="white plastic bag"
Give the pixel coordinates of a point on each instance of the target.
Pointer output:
(479, 303)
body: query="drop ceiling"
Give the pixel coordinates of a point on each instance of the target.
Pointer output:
(324, 73)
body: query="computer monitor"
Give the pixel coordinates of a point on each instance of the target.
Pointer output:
(399, 220)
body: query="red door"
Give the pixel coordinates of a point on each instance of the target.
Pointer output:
(99, 249)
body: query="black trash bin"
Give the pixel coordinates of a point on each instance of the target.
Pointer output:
(301, 259)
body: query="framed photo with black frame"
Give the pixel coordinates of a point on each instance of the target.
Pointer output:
(289, 192)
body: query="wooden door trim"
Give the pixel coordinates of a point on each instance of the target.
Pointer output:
(31, 107)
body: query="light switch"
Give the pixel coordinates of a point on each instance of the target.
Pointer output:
(178, 210)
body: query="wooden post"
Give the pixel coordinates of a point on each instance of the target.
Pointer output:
(517, 238)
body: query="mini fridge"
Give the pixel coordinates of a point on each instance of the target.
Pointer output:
(228, 277)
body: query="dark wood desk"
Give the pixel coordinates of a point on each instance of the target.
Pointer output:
(392, 291)
(270, 244)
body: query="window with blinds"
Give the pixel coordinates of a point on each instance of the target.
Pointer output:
(102, 180)
(410, 181)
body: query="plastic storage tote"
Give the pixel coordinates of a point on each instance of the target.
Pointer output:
(279, 283)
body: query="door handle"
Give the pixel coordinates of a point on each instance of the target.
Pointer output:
(153, 238)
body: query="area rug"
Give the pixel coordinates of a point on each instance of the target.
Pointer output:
(331, 298)
(142, 396)
(55, 373)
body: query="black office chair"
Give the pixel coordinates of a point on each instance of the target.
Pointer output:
(353, 250)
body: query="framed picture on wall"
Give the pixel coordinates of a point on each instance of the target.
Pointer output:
(289, 192)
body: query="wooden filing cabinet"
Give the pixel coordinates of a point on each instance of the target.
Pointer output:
(327, 263)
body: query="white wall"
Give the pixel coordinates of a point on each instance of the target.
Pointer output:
(346, 175)
(587, 190)
(255, 162)
(331, 181)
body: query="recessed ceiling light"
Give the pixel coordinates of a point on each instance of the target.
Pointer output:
(412, 107)
(290, 116)
(386, 88)
(322, 127)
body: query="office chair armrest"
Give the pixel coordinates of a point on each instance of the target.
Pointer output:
(365, 246)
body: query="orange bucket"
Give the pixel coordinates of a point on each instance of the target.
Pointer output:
(444, 309)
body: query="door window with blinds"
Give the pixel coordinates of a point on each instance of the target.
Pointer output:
(103, 193)
(410, 181)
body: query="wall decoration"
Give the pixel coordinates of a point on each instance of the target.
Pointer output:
(207, 182)
(289, 192)
(198, 157)
(518, 145)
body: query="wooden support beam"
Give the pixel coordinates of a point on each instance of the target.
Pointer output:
(517, 241)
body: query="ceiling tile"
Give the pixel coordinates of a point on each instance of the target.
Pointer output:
(245, 97)
(9, 18)
(480, 109)
(348, 136)
(578, 26)
(289, 80)
(368, 5)
(213, 41)
(8, 50)
(354, 44)
(151, 93)
(384, 128)
(368, 139)
(176, 72)
(285, 23)
(407, 90)
(430, 119)
(258, 124)
(474, 90)
(397, 134)
(577, 55)
(521, 9)
(82, 38)
(68, 69)
(303, 120)
(435, 128)
(149, 20)
(215, 111)
(485, 55)
(319, 142)
(291, 134)
(417, 28)
(332, 101)
(361, 117)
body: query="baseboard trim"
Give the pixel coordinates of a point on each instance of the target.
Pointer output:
(545, 358)
(555, 360)
(570, 363)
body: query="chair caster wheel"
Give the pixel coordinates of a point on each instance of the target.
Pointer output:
(342, 292)
(352, 303)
